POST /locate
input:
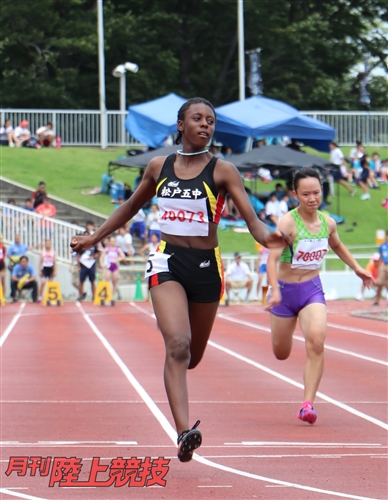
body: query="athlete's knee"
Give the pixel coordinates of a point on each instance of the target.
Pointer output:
(315, 344)
(280, 351)
(178, 349)
(281, 354)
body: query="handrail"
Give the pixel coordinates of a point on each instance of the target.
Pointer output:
(34, 229)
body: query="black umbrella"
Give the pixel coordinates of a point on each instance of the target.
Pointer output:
(279, 156)
(141, 160)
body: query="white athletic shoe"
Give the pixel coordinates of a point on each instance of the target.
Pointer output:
(365, 196)
(360, 297)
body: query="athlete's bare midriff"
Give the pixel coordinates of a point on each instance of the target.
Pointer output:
(289, 275)
(200, 242)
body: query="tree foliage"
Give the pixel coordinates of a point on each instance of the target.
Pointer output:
(49, 58)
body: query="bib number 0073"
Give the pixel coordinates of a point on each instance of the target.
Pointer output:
(182, 215)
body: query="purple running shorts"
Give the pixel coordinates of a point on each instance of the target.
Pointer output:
(296, 296)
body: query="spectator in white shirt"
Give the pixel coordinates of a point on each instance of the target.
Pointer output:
(21, 134)
(138, 226)
(124, 241)
(342, 175)
(283, 206)
(6, 134)
(238, 275)
(272, 209)
(153, 222)
(46, 134)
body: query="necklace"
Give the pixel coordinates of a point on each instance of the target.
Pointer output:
(180, 152)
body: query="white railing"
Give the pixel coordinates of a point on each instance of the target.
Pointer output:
(35, 229)
(82, 127)
(351, 126)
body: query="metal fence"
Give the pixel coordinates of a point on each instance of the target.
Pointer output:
(370, 128)
(75, 128)
(35, 229)
(82, 127)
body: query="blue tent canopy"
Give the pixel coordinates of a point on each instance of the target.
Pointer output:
(263, 117)
(153, 121)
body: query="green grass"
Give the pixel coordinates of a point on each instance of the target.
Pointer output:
(70, 170)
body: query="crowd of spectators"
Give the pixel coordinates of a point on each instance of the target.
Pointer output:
(14, 257)
(359, 169)
(21, 135)
(103, 260)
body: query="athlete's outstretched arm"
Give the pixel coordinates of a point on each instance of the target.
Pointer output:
(343, 253)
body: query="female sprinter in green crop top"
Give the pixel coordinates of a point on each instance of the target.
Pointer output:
(295, 289)
(185, 273)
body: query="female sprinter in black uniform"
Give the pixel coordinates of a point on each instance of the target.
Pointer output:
(186, 275)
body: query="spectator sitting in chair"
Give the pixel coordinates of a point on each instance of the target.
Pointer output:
(46, 135)
(23, 277)
(238, 275)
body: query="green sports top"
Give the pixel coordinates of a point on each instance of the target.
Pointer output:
(308, 249)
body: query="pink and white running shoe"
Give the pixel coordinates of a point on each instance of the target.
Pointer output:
(307, 413)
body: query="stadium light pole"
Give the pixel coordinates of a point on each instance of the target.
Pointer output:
(241, 60)
(101, 74)
(119, 72)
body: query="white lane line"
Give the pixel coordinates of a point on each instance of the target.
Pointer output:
(332, 325)
(164, 401)
(224, 468)
(290, 444)
(136, 306)
(278, 375)
(86, 444)
(306, 455)
(214, 486)
(171, 432)
(7, 491)
(382, 456)
(15, 319)
(297, 384)
(297, 337)
(357, 330)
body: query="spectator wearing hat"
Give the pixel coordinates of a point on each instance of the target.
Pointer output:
(46, 135)
(372, 267)
(238, 275)
(21, 135)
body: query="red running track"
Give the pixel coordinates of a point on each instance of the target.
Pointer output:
(81, 381)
